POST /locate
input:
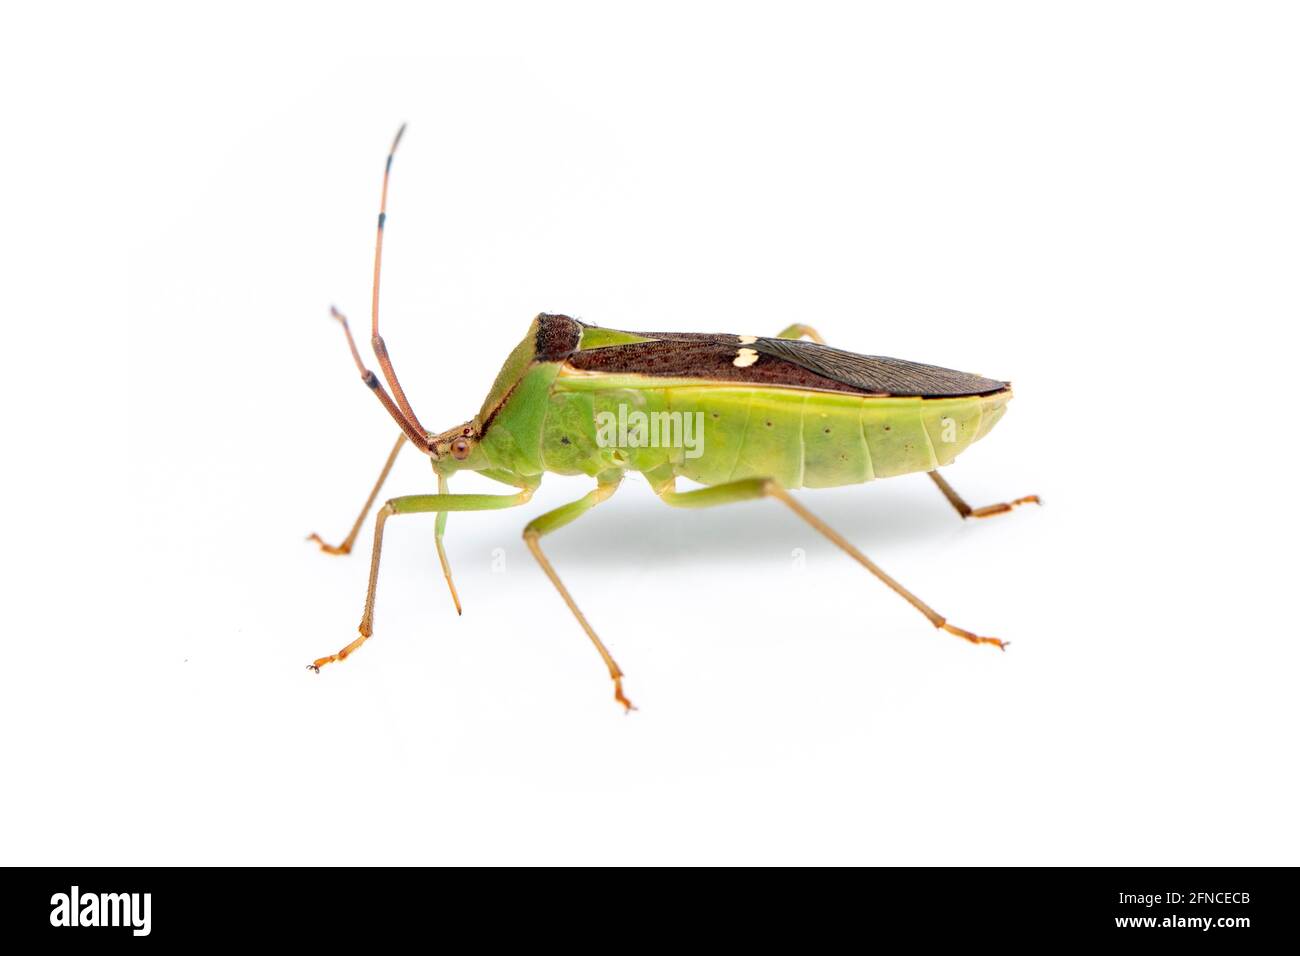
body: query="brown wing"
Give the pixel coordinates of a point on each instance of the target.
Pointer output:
(877, 373)
(779, 362)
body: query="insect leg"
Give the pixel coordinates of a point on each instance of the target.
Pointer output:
(545, 524)
(413, 504)
(798, 331)
(966, 511)
(440, 528)
(506, 478)
(346, 546)
(751, 488)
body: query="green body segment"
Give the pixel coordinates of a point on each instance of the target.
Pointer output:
(716, 433)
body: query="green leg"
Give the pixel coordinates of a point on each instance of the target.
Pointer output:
(414, 504)
(752, 488)
(558, 518)
(504, 477)
(987, 511)
(798, 331)
(439, 529)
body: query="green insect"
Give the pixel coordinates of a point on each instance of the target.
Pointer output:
(746, 416)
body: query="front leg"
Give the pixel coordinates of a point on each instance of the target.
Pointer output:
(413, 504)
(345, 547)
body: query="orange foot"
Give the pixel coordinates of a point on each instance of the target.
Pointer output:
(320, 662)
(975, 638)
(988, 511)
(330, 548)
(618, 695)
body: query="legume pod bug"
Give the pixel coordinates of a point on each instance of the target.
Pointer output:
(746, 416)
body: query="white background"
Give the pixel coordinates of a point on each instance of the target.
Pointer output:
(1096, 201)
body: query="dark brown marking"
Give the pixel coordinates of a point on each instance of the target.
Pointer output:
(487, 422)
(724, 338)
(698, 358)
(557, 337)
(781, 362)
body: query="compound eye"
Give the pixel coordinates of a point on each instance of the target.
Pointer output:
(460, 449)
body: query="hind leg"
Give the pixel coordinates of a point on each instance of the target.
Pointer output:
(987, 511)
(751, 488)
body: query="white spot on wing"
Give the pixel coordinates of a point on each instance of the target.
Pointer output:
(745, 358)
(748, 339)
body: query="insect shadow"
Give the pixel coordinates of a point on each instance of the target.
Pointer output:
(637, 531)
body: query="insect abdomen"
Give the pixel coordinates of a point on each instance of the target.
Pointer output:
(714, 434)
(822, 440)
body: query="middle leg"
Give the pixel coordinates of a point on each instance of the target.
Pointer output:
(553, 520)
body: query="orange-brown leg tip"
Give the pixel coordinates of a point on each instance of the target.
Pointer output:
(455, 598)
(988, 511)
(618, 696)
(975, 638)
(320, 662)
(329, 548)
